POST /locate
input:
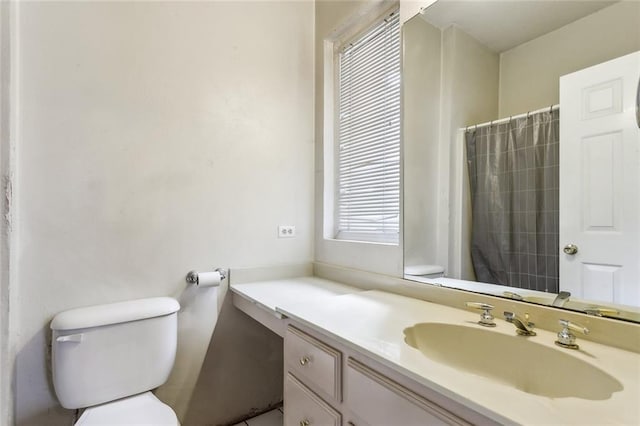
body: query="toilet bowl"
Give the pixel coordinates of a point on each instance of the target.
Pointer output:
(424, 271)
(106, 359)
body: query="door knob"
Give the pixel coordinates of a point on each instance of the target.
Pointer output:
(570, 249)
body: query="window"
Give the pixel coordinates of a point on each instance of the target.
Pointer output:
(368, 134)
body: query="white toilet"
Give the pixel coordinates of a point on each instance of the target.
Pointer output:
(108, 358)
(424, 271)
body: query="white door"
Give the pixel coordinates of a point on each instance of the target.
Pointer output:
(600, 182)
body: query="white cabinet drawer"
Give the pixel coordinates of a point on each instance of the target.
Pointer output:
(304, 408)
(313, 362)
(378, 400)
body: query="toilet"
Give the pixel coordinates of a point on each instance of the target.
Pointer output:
(107, 359)
(424, 271)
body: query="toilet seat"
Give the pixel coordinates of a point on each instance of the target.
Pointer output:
(141, 409)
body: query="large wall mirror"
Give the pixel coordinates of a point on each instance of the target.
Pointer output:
(522, 151)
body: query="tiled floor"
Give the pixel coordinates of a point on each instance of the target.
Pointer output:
(270, 418)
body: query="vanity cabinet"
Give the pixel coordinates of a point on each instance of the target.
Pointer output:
(314, 362)
(328, 384)
(304, 407)
(377, 399)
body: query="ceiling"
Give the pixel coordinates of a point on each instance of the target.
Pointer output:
(504, 24)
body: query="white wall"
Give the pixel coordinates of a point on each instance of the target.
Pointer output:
(333, 18)
(7, 210)
(465, 90)
(530, 72)
(155, 138)
(6, 165)
(421, 68)
(470, 95)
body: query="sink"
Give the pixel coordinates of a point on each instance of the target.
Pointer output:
(512, 360)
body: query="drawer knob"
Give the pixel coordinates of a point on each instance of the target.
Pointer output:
(304, 361)
(305, 422)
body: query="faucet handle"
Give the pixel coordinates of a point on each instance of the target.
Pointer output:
(574, 326)
(600, 311)
(565, 338)
(486, 319)
(479, 305)
(512, 295)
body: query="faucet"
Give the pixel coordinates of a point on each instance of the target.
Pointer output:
(561, 299)
(486, 319)
(565, 338)
(523, 326)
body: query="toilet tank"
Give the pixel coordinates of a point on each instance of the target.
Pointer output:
(106, 352)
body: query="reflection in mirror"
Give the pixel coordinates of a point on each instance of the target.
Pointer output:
(520, 155)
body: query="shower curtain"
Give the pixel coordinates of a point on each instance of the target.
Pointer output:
(513, 176)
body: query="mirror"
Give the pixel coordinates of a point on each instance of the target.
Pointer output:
(476, 69)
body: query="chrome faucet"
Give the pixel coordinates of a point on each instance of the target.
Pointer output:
(565, 338)
(523, 326)
(561, 299)
(486, 319)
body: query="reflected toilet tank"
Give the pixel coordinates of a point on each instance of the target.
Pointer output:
(426, 271)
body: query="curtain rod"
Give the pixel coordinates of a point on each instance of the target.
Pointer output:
(507, 119)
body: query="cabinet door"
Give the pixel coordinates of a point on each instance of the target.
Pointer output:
(317, 364)
(378, 400)
(302, 407)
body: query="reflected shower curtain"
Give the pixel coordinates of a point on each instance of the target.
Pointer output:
(513, 177)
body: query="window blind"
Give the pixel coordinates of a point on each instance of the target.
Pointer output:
(368, 175)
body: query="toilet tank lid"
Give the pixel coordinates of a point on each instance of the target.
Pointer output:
(114, 313)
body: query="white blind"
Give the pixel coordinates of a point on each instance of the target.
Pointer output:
(368, 205)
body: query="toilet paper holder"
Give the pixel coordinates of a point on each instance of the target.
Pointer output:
(192, 276)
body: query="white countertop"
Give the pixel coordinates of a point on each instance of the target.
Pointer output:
(272, 294)
(372, 322)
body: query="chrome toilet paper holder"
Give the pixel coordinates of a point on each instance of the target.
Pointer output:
(192, 276)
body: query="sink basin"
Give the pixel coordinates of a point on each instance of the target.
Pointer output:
(512, 360)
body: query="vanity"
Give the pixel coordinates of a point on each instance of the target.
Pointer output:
(364, 357)
(328, 383)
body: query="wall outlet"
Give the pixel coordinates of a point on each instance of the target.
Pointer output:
(286, 231)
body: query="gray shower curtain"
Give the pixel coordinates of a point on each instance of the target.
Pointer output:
(513, 177)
